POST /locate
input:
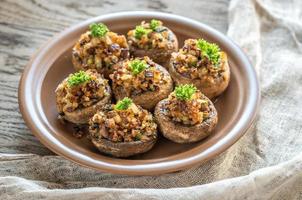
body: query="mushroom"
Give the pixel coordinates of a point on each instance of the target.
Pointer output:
(143, 80)
(81, 95)
(123, 130)
(99, 49)
(186, 116)
(153, 40)
(202, 64)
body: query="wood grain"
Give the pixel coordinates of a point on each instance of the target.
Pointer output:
(26, 25)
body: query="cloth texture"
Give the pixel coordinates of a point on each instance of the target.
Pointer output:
(266, 163)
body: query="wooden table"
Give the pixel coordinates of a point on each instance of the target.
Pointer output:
(26, 25)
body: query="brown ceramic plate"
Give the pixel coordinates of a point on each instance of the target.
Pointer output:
(236, 107)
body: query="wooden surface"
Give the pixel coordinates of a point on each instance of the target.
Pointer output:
(26, 25)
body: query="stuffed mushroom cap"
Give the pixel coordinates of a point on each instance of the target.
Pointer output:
(202, 64)
(99, 49)
(81, 95)
(153, 40)
(123, 130)
(141, 79)
(186, 116)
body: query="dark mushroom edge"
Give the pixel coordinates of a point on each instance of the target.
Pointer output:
(202, 64)
(123, 130)
(99, 48)
(141, 79)
(154, 40)
(81, 95)
(186, 116)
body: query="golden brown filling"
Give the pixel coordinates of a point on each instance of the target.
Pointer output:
(126, 125)
(188, 111)
(152, 35)
(199, 59)
(81, 90)
(137, 76)
(94, 52)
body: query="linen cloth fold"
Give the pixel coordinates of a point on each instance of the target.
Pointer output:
(267, 160)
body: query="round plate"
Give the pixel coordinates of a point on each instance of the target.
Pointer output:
(236, 107)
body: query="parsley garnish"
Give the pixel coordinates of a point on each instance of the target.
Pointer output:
(123, 104)
(98, 30)
(209, 50)
(185, 92)
(137, 66)
(138, 137)
(78, 78)
(154, 24)
(140, 31)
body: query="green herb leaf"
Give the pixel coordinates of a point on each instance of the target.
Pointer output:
(137, 66)
(154, 24)
(140, 31)
(78, 78)
(123, 104)
(209, 50)
(185, 92)
(98, 30)
(138, 137)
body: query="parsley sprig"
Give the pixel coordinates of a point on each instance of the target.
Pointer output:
(210, 50)
(98, 30)
(154, 24)
(185, 92)
(137, 66)
(78, 78)
(140, 31)
(123, 104)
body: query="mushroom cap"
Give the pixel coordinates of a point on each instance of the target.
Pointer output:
(210, 90)
(82, 115)
(149, 99)
(104, 70)
(123, 149)
(160, 56)
(181, 133)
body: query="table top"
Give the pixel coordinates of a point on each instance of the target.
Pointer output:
(27, 25)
